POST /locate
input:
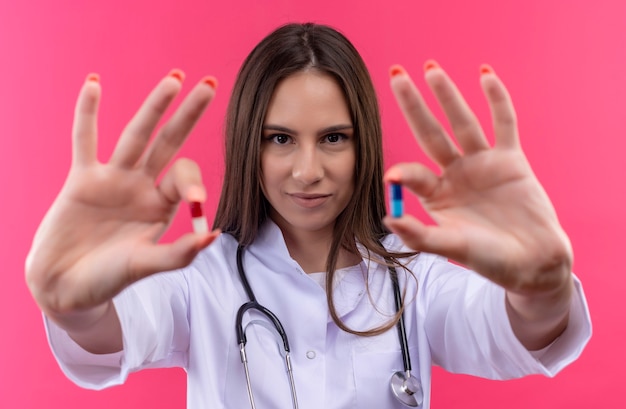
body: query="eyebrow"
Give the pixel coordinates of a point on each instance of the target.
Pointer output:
(334, 128)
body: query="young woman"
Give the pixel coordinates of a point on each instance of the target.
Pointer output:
(302, 245)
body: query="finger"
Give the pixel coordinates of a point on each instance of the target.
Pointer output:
(431, 239)
(465, 125)
(427, 130)
(166, 257)
(415, 177)
(183, 181)
(85, 127)
(171, 137)
(136, 135)
(502, 110)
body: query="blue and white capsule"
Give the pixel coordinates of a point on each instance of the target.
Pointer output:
(396, 203)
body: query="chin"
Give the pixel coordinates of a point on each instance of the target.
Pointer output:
(306, 224)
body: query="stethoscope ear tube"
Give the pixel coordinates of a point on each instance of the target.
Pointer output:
(242, 274)
(253, 305)
(241, 336)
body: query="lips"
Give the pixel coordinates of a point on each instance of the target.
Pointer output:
(309, 200)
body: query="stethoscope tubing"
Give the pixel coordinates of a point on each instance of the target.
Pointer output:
(404, 343)
(252, 304)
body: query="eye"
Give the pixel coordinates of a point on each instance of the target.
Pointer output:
(335, 137)
(279, 138)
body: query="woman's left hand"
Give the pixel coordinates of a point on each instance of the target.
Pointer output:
(491, 212)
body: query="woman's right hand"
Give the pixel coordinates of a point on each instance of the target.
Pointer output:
(101, 233)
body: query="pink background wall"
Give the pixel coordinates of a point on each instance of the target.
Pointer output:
(563, 60)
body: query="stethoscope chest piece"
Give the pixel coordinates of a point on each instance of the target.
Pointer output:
(407, 389)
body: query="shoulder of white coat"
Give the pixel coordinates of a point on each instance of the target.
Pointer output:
(223, 244)
(218, 255)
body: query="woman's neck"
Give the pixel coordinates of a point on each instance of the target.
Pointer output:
(311, 249)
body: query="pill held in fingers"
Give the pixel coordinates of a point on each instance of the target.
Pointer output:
(396, 203)
(199, 222)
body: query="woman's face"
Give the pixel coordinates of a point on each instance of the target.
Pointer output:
(308, 153)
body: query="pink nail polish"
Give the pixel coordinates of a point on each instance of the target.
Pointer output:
(178, 74)
(396, 70)
(210, 81)
(430, 64)
(486, 69)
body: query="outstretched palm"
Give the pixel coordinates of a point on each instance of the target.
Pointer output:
(101, 233)
(491, 212)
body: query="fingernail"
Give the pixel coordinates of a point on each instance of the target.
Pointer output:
(178, 74)
(396, 70)
(393, 176)
(430, 64)
(93, 77)
(210, 81)
(195, 194)
(486, 69)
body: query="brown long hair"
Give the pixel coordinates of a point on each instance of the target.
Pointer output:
(243, 207)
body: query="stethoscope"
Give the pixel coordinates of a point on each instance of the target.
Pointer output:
(405, 386)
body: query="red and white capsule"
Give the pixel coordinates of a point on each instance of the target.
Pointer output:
(199, 222)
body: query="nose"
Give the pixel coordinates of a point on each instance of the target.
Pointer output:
(307, 165)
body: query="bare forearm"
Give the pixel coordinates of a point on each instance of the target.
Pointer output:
(537, 320)
(97, 330)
